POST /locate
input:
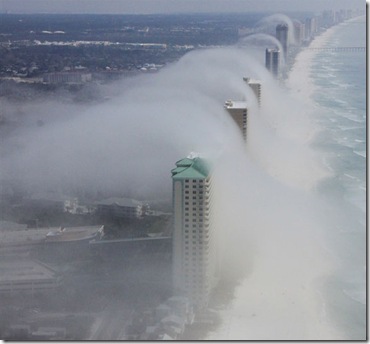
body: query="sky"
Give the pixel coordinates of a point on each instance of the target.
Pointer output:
(170, 6)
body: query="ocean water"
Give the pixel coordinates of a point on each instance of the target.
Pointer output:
(340, 96)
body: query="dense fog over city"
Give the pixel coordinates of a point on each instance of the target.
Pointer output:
(137, 135)
(118, 142)
(129, 143)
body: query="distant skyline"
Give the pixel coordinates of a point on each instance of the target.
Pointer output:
(171, 6)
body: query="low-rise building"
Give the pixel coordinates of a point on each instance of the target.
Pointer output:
(67, 77)
(120, 207)
(51, 201)
(26, 276)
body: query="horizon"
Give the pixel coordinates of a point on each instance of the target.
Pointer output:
(144, 7)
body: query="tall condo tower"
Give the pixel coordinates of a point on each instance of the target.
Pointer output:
(194, 243)
(298, 33)
(282, 36)
(273, 61)
(255, 85)
(239, 112)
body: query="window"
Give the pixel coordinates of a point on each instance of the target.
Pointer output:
(186, 191)
(186, 197)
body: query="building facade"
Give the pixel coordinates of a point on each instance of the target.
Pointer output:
(67, 78)
(310, 28)
(273, 61)
(239, 113)
(282, 36)
(255, 85)
(194, 243)
(120, 208)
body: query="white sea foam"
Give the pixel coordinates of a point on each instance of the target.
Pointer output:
(360, 153)
(301, 68)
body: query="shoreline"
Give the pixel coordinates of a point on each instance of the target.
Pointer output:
(252, 309)
(301, 66)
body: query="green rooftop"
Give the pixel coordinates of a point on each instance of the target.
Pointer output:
(196, 168)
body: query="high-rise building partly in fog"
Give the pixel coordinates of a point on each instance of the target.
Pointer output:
(255, 85)
(239, 112)
(282, 36)
(299, 33)
(194, 243)
(310, 28)
(273, 61)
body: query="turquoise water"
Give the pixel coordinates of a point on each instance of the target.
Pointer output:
(340, 94)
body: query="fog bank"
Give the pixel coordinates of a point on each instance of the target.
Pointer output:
(266, 213)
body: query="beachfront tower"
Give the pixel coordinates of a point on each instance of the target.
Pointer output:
(282, 36)
(255, 85)
(239, 113)
(273, 61)
(193, 242)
